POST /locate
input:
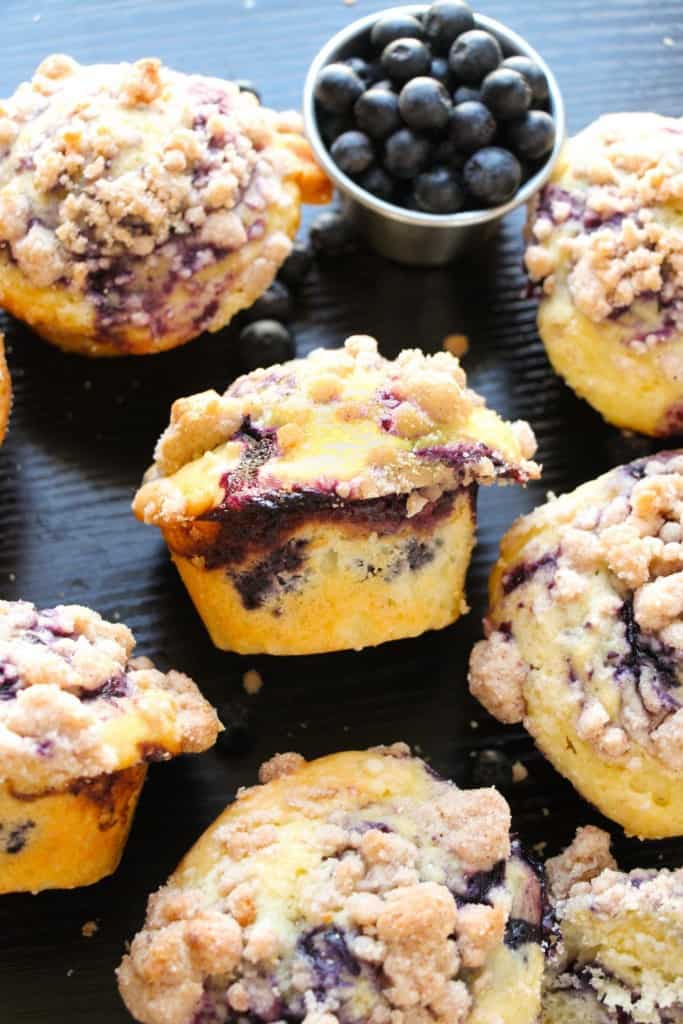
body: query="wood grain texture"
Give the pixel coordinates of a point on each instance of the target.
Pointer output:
(82, 433)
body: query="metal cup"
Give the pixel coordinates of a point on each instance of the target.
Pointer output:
(409, 236)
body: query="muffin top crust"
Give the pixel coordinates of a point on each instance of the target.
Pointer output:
(608, 228)
(620, 934)
(345, 422)
(75, 704)
(106, 164)
(357, 887)
(601, 569)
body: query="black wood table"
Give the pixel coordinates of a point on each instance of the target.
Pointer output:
(82, 433)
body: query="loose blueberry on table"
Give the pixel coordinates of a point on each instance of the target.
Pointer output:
(432, 115)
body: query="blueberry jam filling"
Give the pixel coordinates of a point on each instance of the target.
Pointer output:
(460, 457)
(481, 883)
(278, 572)
(115, 686)
(645, 652)
(260, 445)
(13, 839)
(264, 521)
(331, 959)
(522, 573)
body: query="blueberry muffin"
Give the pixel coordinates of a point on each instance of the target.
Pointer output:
(617, 957)
(358, 887)
(5, 391)
(606, 248)
(140, 206)
(585, 640)
(80, 718)
(329, 502)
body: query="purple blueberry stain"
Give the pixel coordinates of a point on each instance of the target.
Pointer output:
(278, 573)
(461, 456)
(480, 884)
(13, 838)
(647, 652)
(9, 680)
(524, 571)
(115, 686)
(330, 958)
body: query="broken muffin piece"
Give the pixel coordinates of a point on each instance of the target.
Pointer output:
(605, 248)
(356, 887)
(80, 718)
(617, 953)
(140, 206)
(585, 644)
(329, 502)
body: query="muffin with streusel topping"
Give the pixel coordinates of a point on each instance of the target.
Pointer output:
(80, 718)
(358, 887)
(617, 953)
(5, 391)
(585, 640)
(329, 502)
(140, 206)
(606, 249)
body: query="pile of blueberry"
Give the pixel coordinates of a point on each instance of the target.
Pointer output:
(432, 116)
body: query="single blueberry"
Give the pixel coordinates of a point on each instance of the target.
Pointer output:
(439, 70)
(425, 105)
(244, 85)
(337, 88)
(361, 67)
(274, 304)
(506, 93)
(445, 21)
(297, 265)
(533, 74)
(235, 738)
(472, 126)
(405, 59)
(492, 175)
(332, 234)
(532, 135)
(464, 93)
(394, 26)
(473, 55)
(265, 342)
(352, 152)
(378, 183)
(406, 154)
(438, 191)
(376, 112)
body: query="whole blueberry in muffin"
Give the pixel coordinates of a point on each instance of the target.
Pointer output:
(585, 645)
(358, 887)
(329, 502)
(140, 206)
(80, 718)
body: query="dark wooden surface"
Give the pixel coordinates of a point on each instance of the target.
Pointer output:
(82, 433)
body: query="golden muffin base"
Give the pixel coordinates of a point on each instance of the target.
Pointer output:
(66, 838)
(5, 391)
(597, 364)
(68, 318)
(353, 589)
(636, 791)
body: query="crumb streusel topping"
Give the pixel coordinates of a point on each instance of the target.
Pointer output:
(615, 548)
(608, 227)
(106, 165)
(620, 935)
(357, 887)
(344, 421)
(75, 704)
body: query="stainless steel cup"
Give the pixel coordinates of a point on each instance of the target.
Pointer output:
(408, 236)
